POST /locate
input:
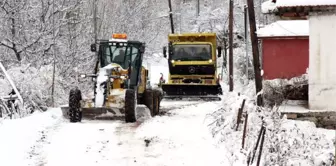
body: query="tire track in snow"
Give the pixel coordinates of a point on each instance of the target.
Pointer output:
(100, 146)
(99, 142)
(126, 148)
(36, 154)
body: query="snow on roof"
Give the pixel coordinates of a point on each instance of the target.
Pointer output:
(285, 28)
(296, 3)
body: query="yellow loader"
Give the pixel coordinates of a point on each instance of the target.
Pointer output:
(121, 84)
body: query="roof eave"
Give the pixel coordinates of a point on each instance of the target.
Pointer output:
(300, 10)
(284, 37)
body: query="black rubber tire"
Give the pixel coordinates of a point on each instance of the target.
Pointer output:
(130, 105)
(156, 102)
(220, 90)
(75, 113)
(148, 100)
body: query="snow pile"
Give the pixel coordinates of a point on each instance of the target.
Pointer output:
(119, 98)
(19, 136)
(100, 87)
(102, 78)
(291, 3)
(286, 142)
(268, 7)
(296, 143)
(285, 28)
(278, 90)
(223, 128)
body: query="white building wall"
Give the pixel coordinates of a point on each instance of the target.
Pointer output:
(322, 61)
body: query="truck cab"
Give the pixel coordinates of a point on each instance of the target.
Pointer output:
(192, 61)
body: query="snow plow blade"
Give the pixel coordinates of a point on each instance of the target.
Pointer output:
(192, 92)
(96, 113)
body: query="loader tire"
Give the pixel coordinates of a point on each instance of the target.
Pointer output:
(75, 113)
(156, 102)
(148, 100)
(130, 105)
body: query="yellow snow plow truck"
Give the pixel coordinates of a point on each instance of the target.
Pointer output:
(192, 64)
(121, 84)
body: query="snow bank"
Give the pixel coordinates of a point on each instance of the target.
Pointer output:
(286, 141)
(19, 136)
(285, 28)
(298, 142)
(292, 3)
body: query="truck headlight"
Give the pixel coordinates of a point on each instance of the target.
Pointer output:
(210, 60)
(83, 75)
(172, 61)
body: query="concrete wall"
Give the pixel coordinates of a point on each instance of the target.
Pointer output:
(284, 58)
(322, 61)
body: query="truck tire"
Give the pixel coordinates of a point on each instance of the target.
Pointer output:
(130, 105)
(220, 90)
(75, 113)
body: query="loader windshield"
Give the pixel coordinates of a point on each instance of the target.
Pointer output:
(124, 55)
(188, 52)
(120, 55)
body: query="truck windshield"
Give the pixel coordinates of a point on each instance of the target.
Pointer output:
(120, 55)
(187, 52)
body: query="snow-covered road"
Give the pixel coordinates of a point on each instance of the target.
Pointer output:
(179, 137)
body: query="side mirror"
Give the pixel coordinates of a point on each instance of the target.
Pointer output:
(219, 51)
(165, 52)
(170, 47)
(142, 49)
(146, 73)
(93, 48)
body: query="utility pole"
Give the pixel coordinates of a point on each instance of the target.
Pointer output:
(246, 42)
(197, 8)
(171, 16)
(54, 58)
(231, 46)
(255, 51)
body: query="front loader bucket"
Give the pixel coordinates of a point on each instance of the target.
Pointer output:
(97, 113)
(192, 92)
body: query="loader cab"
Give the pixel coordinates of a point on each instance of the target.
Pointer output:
(128, 54)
